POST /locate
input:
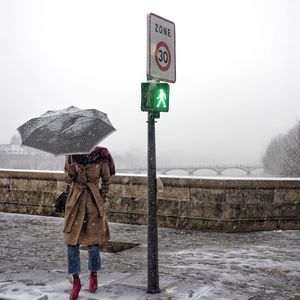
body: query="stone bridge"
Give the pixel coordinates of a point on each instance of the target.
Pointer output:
(218, 169)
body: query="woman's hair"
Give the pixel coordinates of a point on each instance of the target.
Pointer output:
(98, 155)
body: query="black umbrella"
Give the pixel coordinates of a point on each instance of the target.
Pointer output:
(68, 131)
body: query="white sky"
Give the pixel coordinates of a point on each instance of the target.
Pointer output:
(238, 71)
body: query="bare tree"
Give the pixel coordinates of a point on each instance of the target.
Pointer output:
(282, 157)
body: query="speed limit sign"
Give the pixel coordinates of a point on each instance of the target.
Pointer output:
(161, 58)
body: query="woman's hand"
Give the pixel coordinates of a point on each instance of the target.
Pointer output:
(72, 170)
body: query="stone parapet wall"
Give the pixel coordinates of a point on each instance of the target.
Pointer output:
(229, 205)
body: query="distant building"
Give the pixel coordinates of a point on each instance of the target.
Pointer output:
(15, 156)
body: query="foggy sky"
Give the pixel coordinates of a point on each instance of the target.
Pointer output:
(238, 72)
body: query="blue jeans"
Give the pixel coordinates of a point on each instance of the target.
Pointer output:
(94, 262)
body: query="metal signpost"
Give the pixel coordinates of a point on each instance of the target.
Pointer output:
(161, 65)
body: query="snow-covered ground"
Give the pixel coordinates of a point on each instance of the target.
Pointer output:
(192, 265)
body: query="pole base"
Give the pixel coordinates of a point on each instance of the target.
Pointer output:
(153, 291)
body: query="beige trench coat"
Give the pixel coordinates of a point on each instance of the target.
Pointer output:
(85, 211)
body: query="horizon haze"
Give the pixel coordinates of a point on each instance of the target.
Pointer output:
(237, 67)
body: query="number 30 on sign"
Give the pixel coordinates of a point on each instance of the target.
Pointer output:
(163, 56)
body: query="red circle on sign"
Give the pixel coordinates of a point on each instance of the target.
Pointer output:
(162, 56)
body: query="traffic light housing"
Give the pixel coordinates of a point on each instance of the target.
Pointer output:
(155, 96)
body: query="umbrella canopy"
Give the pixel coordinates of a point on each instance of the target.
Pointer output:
(68, 131)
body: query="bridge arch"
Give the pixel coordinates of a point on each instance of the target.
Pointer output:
(169, 171)
(198, 171)
(257, 171)
(239, 170)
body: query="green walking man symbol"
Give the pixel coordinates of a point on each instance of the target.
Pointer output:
(161, 98)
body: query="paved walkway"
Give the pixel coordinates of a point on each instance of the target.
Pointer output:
(192, 265)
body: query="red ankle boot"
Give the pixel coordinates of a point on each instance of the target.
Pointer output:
(93, 282)
(76, 289)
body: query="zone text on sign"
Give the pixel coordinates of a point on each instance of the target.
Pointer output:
(163, 30)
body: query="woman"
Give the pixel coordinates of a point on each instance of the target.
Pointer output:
(85, 213)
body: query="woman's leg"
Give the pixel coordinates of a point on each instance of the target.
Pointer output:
(74, 269)
(94, 266)
(94, 258)
(74, 259)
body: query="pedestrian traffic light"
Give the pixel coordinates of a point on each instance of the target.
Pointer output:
(155, 96)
